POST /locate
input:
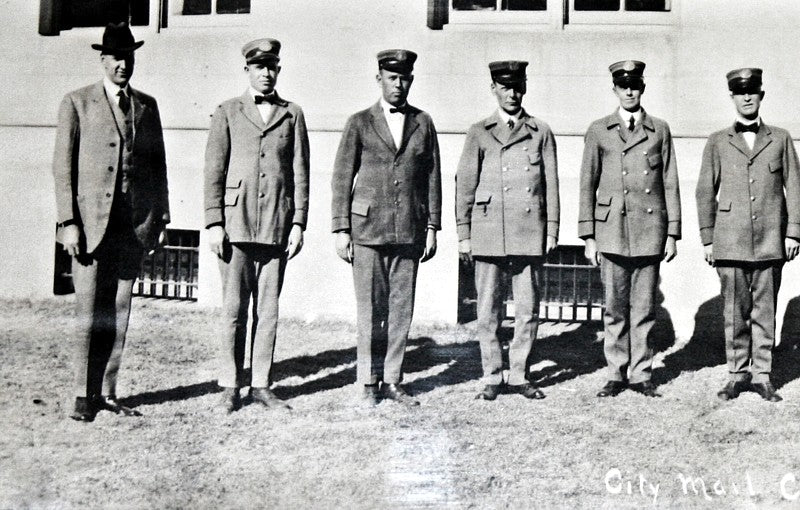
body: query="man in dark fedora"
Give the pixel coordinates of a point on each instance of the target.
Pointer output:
(748, 208)
(112, 206)
(386, 210)
(630, 219)
(507, 216)
(256, 207)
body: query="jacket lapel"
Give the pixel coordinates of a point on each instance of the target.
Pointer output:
(614, 121)
(249, 110)
(279, 112)
(520, 132)
(409, 126)
(103, 106)
(763, 139)
(495, 126)
(138, 108)
(737, 140)
(382, 127)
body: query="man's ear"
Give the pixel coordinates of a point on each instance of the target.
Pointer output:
(643, 87)
(762, 93)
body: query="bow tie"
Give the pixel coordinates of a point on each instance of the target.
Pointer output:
(741, 128)
(400, 109)
(265, 99)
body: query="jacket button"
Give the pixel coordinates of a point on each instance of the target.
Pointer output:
(524, 148)
(649, 211)
(505, 169)
(754, 216)
(261, 195)
(527, 169)
(527, 209)
(752, 181)
(644, 152)
(622, 212)
(505, 188)
(396, 163)
(396, 182)
(111, 169)
(647, 190)
(528, 189)
(647, 172)
(625, 191)
(623, 153)
(752, 199)
(263, 174)
(262, 154)
(624, 172)
(112, 144)
(109, 195)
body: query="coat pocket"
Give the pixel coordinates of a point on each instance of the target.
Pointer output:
(482, 201)
(602, 208)
(534, 158)
(776, 166)
(232, 192)
(360, 207)
(655, 161)
(724, 206)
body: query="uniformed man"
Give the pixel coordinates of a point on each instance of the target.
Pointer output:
(630, 219)
(386, 210)
(507, 216)
(112, 203)
(256, 203)
(748, 207)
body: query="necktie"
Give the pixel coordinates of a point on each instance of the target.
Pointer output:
(741, 128)
(270, 99)
(510, 123)
(631, 124)
(124, 102)
(399, 109)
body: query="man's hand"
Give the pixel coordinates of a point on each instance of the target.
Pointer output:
(552, 244)
(295, 241)
(591, 253)
(708, 253)
(216, 239)
(70, 238)
(465, 251)
(344, 246)
(430, 246)
(162, 238)
(671, 249)
(792, 248)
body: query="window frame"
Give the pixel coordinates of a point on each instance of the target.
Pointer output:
(546, 17)
(176, 18)
(623, 17)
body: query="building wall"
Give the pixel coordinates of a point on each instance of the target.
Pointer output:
(328, 68)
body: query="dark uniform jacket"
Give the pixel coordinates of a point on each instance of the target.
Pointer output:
(629, 193)
(749, 201)
(257, 174)
(385, 194)
(507, 188)
(87, 159)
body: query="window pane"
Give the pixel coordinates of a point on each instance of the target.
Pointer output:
(525, 5)
(99, 13)
(196, 7)
(474, 5)
(233, 6)
(596, 5)
(647, 5)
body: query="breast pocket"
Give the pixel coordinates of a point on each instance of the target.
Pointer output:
(655, 161)
(776, 166)
(232, 190)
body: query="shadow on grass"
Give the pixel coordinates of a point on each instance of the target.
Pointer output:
(572, 353)
(786, 358)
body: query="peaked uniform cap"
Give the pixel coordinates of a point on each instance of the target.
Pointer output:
(261, 50)
(117, 38)
(508, 71)
(397, 60)
(627, 72)
(746, 79)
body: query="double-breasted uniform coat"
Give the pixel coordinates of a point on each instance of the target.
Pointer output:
(748, 203)
(386, 197)
(256, 187)
(629, 203)
(507, 203)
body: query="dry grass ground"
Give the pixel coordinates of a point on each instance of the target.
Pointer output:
(451, 452)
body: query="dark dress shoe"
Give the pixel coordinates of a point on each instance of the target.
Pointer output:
(369, 395)
(646, 388)
(611, 389)
(230, 400)
(489, 392)
(110, 403)
(732, 390)
(527, 390)
(398, 394)
(767, 391)
(266, 398)
(83, 410)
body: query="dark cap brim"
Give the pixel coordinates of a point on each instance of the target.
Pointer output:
(126, 49)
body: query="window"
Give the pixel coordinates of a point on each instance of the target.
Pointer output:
(617, 12)
(571, 289)
(187, 13)
(193, 7)
(499, 5)
(57, 15)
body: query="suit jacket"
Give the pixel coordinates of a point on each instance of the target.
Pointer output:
(629, 193)
(385, 194)
(87, 158)
(257, 174)
(748, 201)
(507, 188)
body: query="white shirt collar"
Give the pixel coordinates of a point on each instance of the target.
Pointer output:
(625, 115)
(112, 89)
(747, 122)
(254, 93)
(505, 117)
(386, 106)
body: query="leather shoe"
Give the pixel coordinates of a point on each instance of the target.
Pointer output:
(732, 390)
(230, 400)
(370, 395)
(489, 392)
(611, 389)
(110, 403)
(527, 390)
(767, 391)
(83, 410)
(646, 388)
(266, 398)
(398, 394)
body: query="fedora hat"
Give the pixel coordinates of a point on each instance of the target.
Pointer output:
(118, 38)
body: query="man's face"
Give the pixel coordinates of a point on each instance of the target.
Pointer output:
(394, 86)
(263, 75)
(747, 103)
(118, 67)
(630, 96)
(509, 96)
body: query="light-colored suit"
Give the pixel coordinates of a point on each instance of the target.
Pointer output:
(256, 187)
(507, 203)
(748, 203)
(111, 181)
(386, 197)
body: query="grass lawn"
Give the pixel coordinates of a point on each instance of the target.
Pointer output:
(570, 450)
